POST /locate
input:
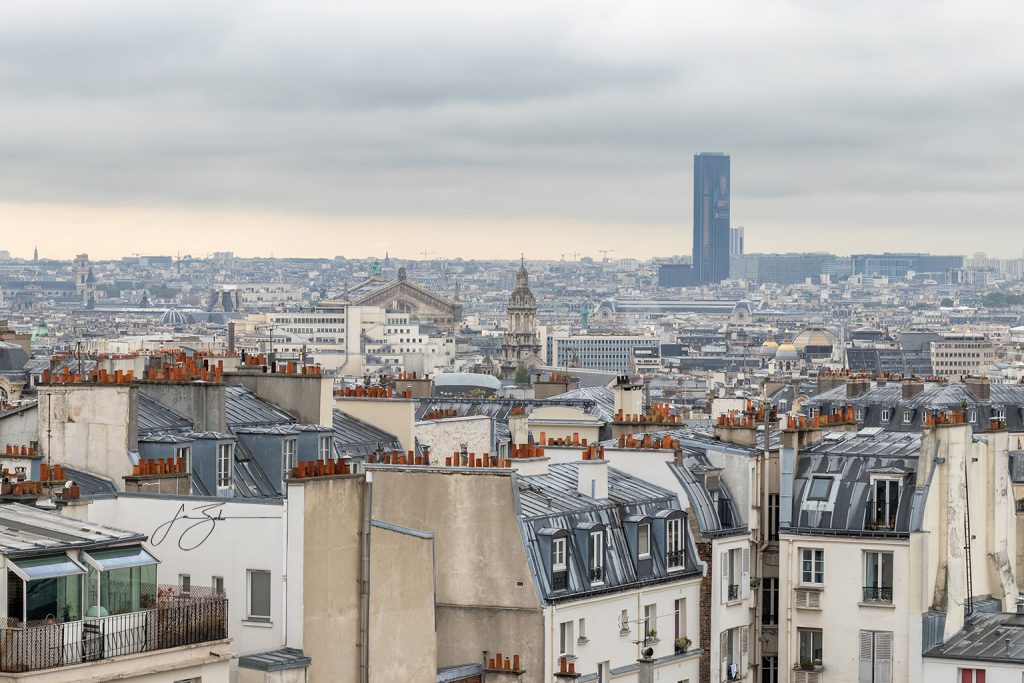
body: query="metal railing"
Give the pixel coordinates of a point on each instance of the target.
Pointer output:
(179, 618)
(875, 594)
(596, 574)
(675, 558)
(560, 580)
(734, 592)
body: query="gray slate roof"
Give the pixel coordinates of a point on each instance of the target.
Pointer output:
(352, 436)
(246, 409)
(155, 417)
(986, 637)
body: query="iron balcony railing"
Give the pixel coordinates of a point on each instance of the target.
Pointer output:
(875, 594)
(734, 592)
(596, 574)
(179, 618)
(560, 580)
(676, 558)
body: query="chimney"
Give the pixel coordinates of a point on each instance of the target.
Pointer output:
(912, 387)
(629, 397)
(857, 386)
(978, 386)
(231, 337)
(592, 477)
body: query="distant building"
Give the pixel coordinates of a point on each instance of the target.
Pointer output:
(736, 241)
(711, 216)
(900, 264)
(595, 351)
(522, 346)
(676, 275)
(788, 269)
(955, 354)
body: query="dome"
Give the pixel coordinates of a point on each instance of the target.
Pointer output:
(815, 338)
(174, 318)
(769, 344)
(787, 352)
(12, 357)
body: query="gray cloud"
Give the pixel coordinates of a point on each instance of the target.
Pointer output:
(893, 122)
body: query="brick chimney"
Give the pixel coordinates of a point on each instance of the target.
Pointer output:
(978, 386)
(592, 474)
(857, 386)
(911, 387)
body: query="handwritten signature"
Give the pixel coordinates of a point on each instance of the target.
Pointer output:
(197, 529)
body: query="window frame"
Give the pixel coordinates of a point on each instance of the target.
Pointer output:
(225, 459)
(597, 556)
(643, 540)
(249, 615)
(289, 456)
(815, 479)
(325, 454)
(558, 547)
(816, 557)
(815, 634)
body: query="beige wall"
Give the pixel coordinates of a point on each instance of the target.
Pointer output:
(92, 427)
(203, 404)
(333, 510)
(19, 428)
(393, 415)
(401, 622)
(446, 435)
(486, 598)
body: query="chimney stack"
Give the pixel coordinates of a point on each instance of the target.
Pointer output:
(857, 386)
(978, 386)
(592, 477)
(911, 387)
(629, 397)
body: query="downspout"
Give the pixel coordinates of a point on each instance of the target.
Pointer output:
(284, 577)
(364, 584)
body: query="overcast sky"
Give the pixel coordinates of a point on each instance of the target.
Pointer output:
(482, 129)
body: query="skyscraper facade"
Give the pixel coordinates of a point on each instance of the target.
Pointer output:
(711, 216)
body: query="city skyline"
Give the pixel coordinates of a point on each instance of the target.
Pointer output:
(858, 128)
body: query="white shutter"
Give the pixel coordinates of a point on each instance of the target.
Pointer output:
(723, 575)
(744, 646)
(865, 659)
(723, 656)
(808, 599)
(745, 578)
(883, 657)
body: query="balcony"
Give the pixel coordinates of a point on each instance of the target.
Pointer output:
(179, 619)
(734, 592)
(596, 574)
(875, 594)
(676, 559)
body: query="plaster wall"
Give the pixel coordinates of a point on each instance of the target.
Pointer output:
(447, 435)
(19, 428)
(393, 415)
(307, 397)
(203, 404)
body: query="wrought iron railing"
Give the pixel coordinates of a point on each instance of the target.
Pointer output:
(560, 580)
(596, 574)
(179, 618)
(676, 558)
(876, 594)
(734, 592)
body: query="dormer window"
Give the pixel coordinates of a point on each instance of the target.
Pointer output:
(972, 416)
(643, 540)
(883, 504)
(288, 460)
(907, 415)
(325, 447)
(224, 465)
(675, 557)
(597, 557)
(559, 566)
(885, 414)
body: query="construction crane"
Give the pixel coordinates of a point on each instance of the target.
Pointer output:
(575, 255)
(606, 252)
(426, 254)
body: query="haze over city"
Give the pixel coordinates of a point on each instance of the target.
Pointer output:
(408, 127)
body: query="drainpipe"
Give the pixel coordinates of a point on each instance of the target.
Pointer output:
(284, 576)
(364, 584)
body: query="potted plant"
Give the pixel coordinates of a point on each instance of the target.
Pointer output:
(807, 665)
(652, 634)
(682, 644)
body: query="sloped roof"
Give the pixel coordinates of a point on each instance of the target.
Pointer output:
(353, 436)
(246, 409)
(154, 417)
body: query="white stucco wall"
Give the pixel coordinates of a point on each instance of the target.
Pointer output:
(446, 436)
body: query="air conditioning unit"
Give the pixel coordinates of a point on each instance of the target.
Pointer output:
(804, 598)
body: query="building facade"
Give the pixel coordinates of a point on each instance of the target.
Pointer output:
(711, 235)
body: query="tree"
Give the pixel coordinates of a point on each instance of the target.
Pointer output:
(522, 374)
(946, 302)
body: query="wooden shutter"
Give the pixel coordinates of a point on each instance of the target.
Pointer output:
(883, 657)
(723, 575)
(745, 578)
(865, 659)
(744, 647)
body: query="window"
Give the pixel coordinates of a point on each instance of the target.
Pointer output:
(325, 447)
(224, 465)
(770, 669)
(217, 583)
(674, 544)
(907, 415)
(810, 645)
(596, 556)
(623, 622)
(651, 620)
(558, 554)
(680, 620)
(885, 414)
(876, 657)
(820, 487)
(259, 595)
(643, 540)
(885, 500)
(185, 581)
(877, 577)
(773, 517)
(565, 638)
(184, 453)
(770, 601)
(581, 631)
(812, 566)
(287, 457)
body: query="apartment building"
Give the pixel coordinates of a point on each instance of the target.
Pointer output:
(956, 354)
